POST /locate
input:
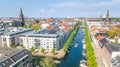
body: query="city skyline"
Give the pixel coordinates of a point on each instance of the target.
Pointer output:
(67, 8)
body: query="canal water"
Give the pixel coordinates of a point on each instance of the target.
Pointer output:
(73, 58)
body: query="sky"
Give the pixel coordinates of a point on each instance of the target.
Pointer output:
(59, 8)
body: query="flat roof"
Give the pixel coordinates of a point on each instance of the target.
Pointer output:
(19, 30)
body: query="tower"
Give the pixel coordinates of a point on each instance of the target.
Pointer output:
(107, 16)
(21, 16)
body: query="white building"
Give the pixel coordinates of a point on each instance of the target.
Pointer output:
(44, 38)
(12, 35)
(46, 41)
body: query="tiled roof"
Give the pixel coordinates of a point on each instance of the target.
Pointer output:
(67, 28)
(49, 27)
(100, 37)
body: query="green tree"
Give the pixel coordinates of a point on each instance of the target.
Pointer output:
(47, 62)
(91, 60)
(23, 47)
(111, 33)
(5, 45)
(53, 51)
(35, 26)
(73, 33)
(14, 46)
(32, 49)
(42, 50)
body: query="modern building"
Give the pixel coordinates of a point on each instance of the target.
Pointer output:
(11, 36)
(115, 62)
(50, 37)
(12, 57)
(40, 39)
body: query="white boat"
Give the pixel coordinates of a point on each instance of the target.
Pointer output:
(84, 46)
(83, 41)
(57, 61)
(76, 45)
(68, 51)
(84, 52)
(83, 63)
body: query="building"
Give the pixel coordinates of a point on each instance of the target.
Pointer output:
(11, 57)
(21, 16)
(40, 39)
(115, 62)
(21, 21)
(11, 36)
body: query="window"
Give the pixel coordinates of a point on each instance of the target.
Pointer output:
(4, 39)
(0, 65)
(7, 62)
(3, 64)
(15, 57)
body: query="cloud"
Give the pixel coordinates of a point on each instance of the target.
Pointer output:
(81, 8)
(106, 4)
(66, 4)
(83, 4)
(42, 10)
(52, 10)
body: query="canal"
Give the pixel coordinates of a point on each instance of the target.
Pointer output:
(73, 58)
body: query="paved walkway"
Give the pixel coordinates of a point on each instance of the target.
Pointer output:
(59, 54)
(98, 59)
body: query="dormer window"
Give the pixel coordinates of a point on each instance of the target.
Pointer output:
(7, 62)
(3, 64)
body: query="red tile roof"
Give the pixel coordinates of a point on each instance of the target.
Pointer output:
(67, 28)
(100, 37)
(49, 27)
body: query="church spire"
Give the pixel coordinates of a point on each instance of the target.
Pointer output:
(21, 16)
(107, 16)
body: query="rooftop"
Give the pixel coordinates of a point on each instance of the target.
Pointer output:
(13, 31)
(8, 56)
(40, 34)
(116, 61)
(5, 53)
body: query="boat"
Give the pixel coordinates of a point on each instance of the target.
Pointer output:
(57, 61)
(68, 51)
(71, 43)
(83, 63)
(84, 52)
(76, 45)
(83, 41)
(84, 46)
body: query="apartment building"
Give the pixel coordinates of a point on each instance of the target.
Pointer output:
(12, 57)
(11, 36)
(42, 40)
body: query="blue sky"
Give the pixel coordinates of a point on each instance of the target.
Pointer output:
(59, 8)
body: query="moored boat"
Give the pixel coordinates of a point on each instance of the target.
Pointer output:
(76, 45)
(57, 61)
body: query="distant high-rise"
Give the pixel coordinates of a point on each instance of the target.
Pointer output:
(107, 16)
(21, 16)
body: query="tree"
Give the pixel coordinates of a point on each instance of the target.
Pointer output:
(42, 50)
(23, 47)
(47, 62)
(53, 51)
(5, 45)
(32, 49)
(14, 46)
(35, 26)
